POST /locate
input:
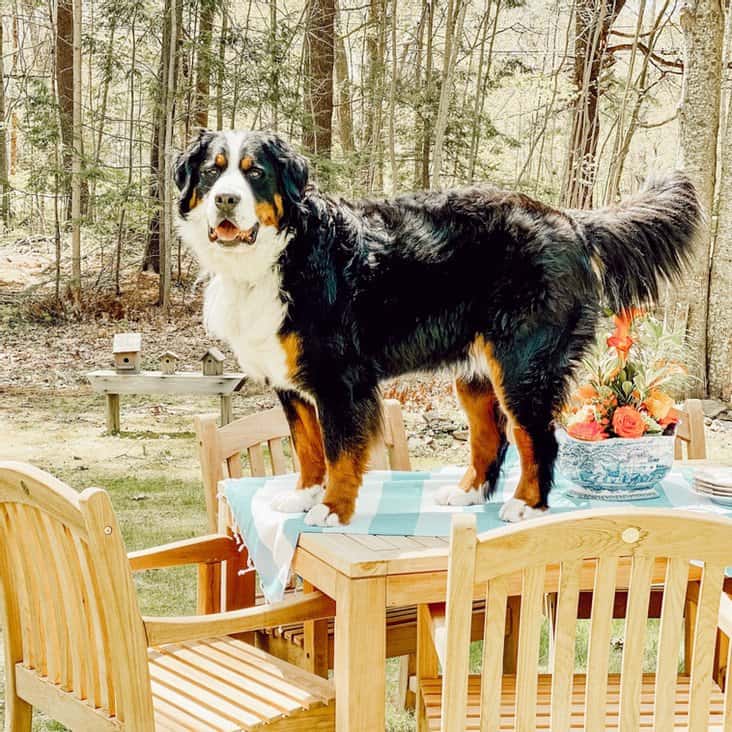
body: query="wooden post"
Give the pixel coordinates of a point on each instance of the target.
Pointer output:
(113, 414)
(227, 409)
(315, 642)
(510, 644)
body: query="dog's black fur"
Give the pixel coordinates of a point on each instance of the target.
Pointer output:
(376, 289)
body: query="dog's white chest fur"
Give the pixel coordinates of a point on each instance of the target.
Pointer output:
(248, 316)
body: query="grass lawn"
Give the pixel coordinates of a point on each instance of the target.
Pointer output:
(151, 473)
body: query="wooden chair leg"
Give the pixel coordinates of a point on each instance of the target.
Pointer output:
(510, 644)
(690, 610)
(407, 669)
(315, 642)
(428, 666)
(18, 714)
(239, 589)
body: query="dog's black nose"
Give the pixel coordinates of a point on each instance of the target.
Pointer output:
(227, 200)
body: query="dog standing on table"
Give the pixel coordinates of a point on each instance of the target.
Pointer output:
(323, 298)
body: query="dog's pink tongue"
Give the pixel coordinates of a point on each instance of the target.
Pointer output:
(226, 231)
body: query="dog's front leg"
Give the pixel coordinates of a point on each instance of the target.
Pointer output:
(350, 426)
(307, 440)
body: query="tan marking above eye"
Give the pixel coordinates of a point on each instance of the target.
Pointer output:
(220, 160)
(246, 162)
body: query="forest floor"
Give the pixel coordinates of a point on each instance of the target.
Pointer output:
(50, 417)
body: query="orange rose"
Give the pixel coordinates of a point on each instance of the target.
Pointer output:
(658, 404)
(590, 431)
(628, 422)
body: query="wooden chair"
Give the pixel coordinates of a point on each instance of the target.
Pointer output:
(690, 432)
(77, 647)
(220, 449)
(578, 547)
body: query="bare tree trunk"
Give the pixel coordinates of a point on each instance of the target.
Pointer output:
(4, 178)
(319, 52)
(203, 69)
(428, 106)
(221, 63)
(374, 94)
(165, 156)
(702, 23)
(455, 16)
(593, 20)
(76, 157)
(719, 323)
(344, 110)
(65, 83)
(274, 63)
(393, 99)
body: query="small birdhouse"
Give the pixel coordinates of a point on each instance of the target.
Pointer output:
(126, 348)
(169, 362)
(213, 362)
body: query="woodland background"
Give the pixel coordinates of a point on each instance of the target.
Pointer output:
(574, 102)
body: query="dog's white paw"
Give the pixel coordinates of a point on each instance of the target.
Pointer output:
(297, 501)
(514, 510)
(321, 515)
(454, 495)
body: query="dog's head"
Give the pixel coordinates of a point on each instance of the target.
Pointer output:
(240, 192)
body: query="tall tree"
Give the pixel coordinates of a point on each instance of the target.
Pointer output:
(593, 21)
(318, 78)
(203, 67)
(65, 80)
(76, 131)
(703, 26)
(344, 107)
(455, 16)
(4, 178)
(719, 323)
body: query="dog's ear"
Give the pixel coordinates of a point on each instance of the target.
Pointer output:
(187, 170)
(293, 169)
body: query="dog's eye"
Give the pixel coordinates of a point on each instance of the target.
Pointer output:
(209, 173)
(254, 173)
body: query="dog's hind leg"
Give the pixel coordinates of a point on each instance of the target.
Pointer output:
(487, 443)
(307, 441)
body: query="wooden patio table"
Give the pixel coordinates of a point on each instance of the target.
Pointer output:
(367, 574)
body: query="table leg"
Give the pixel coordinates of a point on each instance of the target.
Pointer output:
(315, 641)
(113, 414)
(227, 409)
(360, 654)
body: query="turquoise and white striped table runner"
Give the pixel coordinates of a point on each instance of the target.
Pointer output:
(402, 504)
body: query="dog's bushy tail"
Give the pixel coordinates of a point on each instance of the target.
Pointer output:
(647, 237)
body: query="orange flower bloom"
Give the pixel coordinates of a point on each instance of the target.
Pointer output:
(590, 431)
(585, 392)
(628, 422)
(658, 404)
(671, 418)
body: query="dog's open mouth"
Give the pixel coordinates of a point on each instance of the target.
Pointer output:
(229, 234)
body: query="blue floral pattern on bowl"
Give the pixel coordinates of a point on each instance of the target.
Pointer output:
(616, 469)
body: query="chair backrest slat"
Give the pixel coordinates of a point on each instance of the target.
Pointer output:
(256, 461)
(494, 638)
(690, 431)
(532, 595)
(565, 632)
(277, 456)
(598, 650)
(702, 660)
(636, 619)
(669, 640)
(458, 619)
(70, 612)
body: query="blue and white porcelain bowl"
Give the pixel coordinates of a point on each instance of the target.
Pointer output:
(616, 469)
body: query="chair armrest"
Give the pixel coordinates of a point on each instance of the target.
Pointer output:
(309, 606)
(199, 550)
(725, 615)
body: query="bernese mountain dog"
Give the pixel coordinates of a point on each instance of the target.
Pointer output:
(324, 298)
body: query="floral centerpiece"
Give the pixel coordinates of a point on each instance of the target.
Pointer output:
(616, 433)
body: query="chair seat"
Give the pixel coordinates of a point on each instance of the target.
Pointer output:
(224, 684)
(432, 696)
